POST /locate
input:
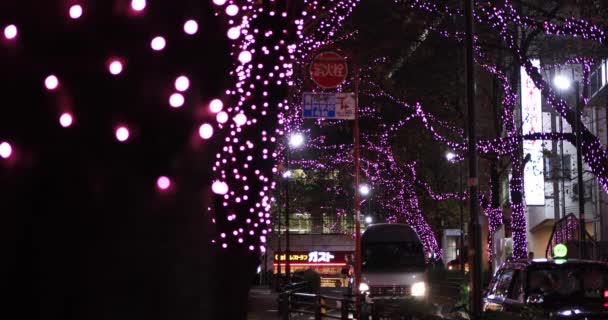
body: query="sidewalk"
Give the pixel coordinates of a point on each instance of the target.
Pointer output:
(262, 304)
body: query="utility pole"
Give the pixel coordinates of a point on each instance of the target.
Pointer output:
(357, 200)
(460, 201)
(579, 169)
(287, 248)
(475, 263)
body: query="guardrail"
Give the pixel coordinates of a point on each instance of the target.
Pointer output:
(294, 302)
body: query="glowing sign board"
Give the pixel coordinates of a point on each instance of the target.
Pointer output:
(316, 257)
(531, 112)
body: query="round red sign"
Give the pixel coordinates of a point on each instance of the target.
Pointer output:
(328, 69)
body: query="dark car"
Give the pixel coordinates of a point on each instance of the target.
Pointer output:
(548, 289)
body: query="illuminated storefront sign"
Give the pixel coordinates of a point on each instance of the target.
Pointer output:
(328, 258)
(531, 113)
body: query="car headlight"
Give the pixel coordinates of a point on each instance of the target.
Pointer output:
(363, 287)
(418, 289)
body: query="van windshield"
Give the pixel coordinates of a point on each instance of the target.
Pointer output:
(392, 255)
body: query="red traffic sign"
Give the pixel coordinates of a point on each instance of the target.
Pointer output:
(328, 69)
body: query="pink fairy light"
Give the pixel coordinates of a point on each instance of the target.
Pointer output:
(163, 183)
(66, 119)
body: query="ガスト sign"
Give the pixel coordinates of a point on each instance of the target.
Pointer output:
(313, 257)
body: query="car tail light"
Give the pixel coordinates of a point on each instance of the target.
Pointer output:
(606, 294)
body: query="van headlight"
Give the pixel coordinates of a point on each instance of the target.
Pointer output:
(418, 289)
(363, 287)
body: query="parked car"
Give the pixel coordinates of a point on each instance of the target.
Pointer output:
(548, 289)
(455, 265)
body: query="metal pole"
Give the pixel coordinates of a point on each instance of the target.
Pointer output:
(357, 204)
(475, 229)
(287, 248)
(460, 201)
(279, 242)
(579, 169)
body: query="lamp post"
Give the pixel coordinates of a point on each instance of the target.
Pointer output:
(563, 83)
(364, 191)
(451, 156)
(295, 140)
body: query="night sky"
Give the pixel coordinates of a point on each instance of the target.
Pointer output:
(85, 232)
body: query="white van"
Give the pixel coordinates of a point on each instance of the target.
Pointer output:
(393, 264)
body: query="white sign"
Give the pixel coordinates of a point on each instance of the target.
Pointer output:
(336, 105)
(532, 122)
(318, 256)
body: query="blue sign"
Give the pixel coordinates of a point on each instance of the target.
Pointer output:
(329, 105)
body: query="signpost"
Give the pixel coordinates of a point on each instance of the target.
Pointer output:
(328, 70)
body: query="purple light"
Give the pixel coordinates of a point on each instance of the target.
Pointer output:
(234, 33)
(240, 119)
(51, 82)
(221, 117)
(219, 187)
(122, 133)
(182, 83)
(138, 5)
(232, 10)
(66, 119)
(245, 57)
(75, 11)
(219, 2)
(5, 150)
(205, 131)
(115, 67)
(216, 105)
(158, 43)
(176, 100)
(10, 32)
(191, 27)
(163, 183)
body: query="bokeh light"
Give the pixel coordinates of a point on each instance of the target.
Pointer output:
(10, 32)
(66, 119)
(5, 150)
(191, 27)
(138, 5)
(51, 82)
(216, 105)
(115, 67)
(234, 33)
(240, 119)
(75, 11)
(232, 10)
(221, 117)
(122, 133)
(219, 187)
(219, 2)
(158, 43)
(163, 183)
(205, 131)
(245, 57)
(176, 100)
(182, 83)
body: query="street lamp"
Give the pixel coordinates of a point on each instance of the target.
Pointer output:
(563, 83)
(295, 141)
(450, 156)
(364, 190)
